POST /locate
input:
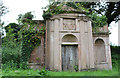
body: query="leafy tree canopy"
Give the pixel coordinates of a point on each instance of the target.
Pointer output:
(110, 10)
(13, 26)
(25, 18)
(3, 9)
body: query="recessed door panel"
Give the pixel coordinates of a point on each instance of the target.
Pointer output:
(69, 57)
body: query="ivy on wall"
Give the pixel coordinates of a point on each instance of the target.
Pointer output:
(21, 39)
(30, 38)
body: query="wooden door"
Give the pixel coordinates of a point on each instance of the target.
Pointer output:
(69, 57)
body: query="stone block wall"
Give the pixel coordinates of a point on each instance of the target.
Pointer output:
(59, 31)
(102, 52)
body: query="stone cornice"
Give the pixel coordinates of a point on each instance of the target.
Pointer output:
(71, 15)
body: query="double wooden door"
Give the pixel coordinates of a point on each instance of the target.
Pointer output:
(69, 57)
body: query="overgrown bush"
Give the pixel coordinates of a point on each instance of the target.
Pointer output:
(11, 55)
(115, 53)
(11, 65)
(10, 52)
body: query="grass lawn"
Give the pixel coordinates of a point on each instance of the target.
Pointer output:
(20, 72)
(0, 73)
(31, 72)
(113, 72)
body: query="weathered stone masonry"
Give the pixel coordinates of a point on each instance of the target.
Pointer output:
(64, 32)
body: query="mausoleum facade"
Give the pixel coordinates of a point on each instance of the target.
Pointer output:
(71, 43)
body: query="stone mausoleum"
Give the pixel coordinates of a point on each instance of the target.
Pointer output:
(71, 43)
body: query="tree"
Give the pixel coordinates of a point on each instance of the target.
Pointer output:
(25, 18)
(110, 9)
(3, 10)
(86, 8)
(13, 28)
(113, 11)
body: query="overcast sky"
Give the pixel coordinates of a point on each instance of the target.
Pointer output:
(17, 7)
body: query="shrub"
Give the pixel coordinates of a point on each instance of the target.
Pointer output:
(115, 53)
(10, 52)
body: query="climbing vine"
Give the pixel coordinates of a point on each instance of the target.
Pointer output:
(30, 38)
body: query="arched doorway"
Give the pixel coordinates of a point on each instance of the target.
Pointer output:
(100, 54)
(69, 53)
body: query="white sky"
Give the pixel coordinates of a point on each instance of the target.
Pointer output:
(17, 7)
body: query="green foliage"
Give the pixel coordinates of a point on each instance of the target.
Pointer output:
(28, 15)
(10, 47)
(12, 30)
(19, 42)
(11, 55)
(115, 49)
(30, 38)
(27, 72)
(10, 52)
(57, 8)
(76, 68)
(3, 9)
(28, 44)
(29, 35)
(97, 20)
(11, 70)
(113, 72)
(109, 9)
(43, 72)
(112, 11)
(15, 27)
(30, 72)
(71, 4)
(25, 18)
(115, 55)
(12, 65)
